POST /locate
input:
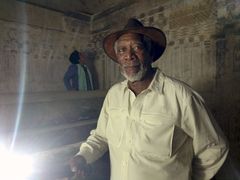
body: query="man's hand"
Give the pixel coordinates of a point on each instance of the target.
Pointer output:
(79, 166)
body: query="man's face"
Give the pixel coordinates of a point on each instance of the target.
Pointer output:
(132, 56)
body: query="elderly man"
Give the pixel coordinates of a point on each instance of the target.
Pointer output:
(154, 126)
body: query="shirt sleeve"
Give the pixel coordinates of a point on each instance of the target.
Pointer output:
(96, 144)
(209, 144)
(69, 78)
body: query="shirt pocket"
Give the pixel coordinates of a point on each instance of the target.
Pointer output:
(157, 119)
(155, 135)
(115, 127)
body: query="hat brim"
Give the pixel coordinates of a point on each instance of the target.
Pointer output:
(156, 35)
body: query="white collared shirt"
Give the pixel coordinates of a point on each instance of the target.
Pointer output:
(164, 133)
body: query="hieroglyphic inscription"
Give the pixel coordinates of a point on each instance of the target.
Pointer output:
(191, 14)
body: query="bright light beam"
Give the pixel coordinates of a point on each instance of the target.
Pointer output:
(23, 69)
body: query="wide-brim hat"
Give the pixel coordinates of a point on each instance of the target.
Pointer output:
(134, 26)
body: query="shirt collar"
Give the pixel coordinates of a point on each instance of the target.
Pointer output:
(157, 82)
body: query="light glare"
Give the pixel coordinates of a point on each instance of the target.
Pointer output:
(15, 166)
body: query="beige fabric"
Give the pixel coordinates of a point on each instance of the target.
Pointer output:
(164, 133)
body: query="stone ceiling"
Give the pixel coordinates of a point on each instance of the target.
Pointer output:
(83, 7)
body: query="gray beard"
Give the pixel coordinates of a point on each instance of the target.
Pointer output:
(136, 77)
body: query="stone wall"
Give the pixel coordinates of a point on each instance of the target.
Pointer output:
(35, 44)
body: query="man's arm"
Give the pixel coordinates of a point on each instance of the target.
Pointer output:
(96, 144)
(209, 144)
(69, 76)
(93, 148)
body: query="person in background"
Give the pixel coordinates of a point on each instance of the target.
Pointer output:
(154, 126)
(78, 76)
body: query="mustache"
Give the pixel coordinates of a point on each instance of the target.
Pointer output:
(131, 64)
